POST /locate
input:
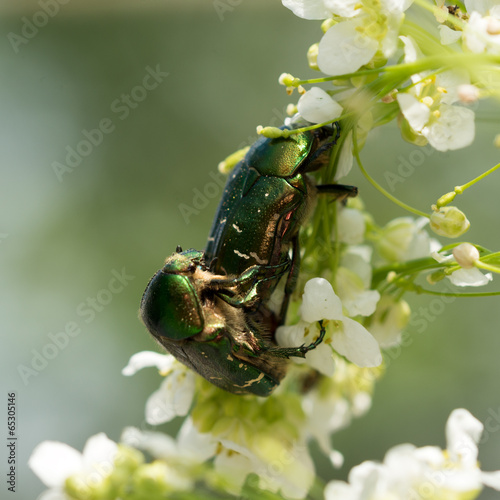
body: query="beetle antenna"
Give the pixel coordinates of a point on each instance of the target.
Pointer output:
(178, 249)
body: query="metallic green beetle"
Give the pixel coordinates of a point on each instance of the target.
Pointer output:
(211, 309)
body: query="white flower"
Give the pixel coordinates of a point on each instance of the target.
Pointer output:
(351, 226)
(316, 106)
(349, 338)
(343, 49)
(428, 472)
(54, 462)
(354, 40)
(175, 395)
(469, 276)
(428, 106)
(482, 32)
(352, 43)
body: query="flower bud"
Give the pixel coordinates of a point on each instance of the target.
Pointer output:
(327, 24)
(468, 93)
(312, 56)
(449, 221)
(496, 141)
(446, 199)
(270, 132)
(435, 277)
(291, 109)
(287, 80)
(226, 165)
(466, 255)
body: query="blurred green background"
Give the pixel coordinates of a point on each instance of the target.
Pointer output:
(61, 239)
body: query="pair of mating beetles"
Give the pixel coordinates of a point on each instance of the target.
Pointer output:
(211, 309)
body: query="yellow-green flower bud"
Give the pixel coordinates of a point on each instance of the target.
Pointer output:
(445, 199)
(291, 109)
(270, 132)
(449, 221)
(226, 165)
(496, 141)
(466, 255)
(327, 24)
(435, 277)
(287, 80)
(312, 56)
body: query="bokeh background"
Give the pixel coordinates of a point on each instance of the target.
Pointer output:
(61, 239)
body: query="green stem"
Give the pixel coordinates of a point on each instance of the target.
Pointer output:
(449, 197)
(461, 189)
(405, 70)
(419, 289)
(487, 267)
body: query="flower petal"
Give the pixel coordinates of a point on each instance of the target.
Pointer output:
(307, 9)
(416, 112)
(172, 399)
(351, 226)
(470, 277)
(354, 341)
(234, 468)
(344, 50)
(53, 494)
(454, 129)
(491, 479)
(320, 301)
(463, 432)
(99, 450)
(53, 462)
(448, 36)
(317, 106)
(321, 359)
(145, 359)
(346, 158)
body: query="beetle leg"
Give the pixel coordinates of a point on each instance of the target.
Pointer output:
(299, 352)
(291, 280)
(340, 191)
(255, 276)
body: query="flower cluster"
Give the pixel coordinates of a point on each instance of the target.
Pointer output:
(420, 473)
(106, 470)
(380, 66)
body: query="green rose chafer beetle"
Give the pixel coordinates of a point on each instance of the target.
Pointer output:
(211, 309)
